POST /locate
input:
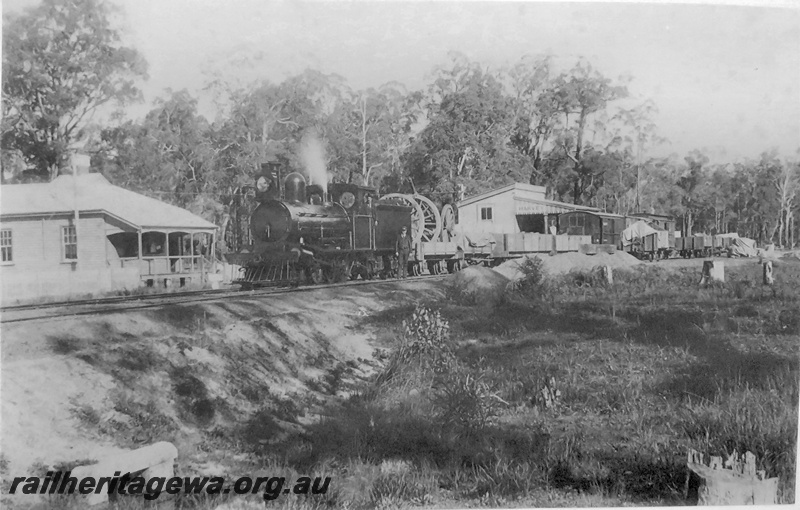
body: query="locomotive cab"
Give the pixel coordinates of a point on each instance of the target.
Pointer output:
(375, 223)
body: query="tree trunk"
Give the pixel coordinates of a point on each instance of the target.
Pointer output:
(687, 224)
(578, 189)
(364, 130)
(774, 231)
(226, 219)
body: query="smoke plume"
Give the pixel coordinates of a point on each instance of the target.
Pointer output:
(312, 156)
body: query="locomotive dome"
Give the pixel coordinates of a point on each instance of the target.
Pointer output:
(295, 187)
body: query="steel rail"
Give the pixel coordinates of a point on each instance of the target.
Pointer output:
(195, 297)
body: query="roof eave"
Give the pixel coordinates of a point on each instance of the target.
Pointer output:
(498, 191)
(177, 227)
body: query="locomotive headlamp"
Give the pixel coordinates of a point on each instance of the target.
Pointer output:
(262, 184)
(347, 200)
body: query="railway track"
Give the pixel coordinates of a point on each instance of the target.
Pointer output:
(51, 311)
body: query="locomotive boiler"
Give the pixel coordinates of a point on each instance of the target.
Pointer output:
(295, 219)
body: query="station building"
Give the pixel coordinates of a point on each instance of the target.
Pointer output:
(80, 235)
(512, 209)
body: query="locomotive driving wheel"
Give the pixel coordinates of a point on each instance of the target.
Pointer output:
(426, 222)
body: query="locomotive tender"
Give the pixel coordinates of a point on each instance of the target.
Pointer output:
(305, 234)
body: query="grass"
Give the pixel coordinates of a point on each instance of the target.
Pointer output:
(569, 390)
(564, 391)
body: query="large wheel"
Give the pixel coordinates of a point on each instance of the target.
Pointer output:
(433, 220)
(417, 215)
(426, 222)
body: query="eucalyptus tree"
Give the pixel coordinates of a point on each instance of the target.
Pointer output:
(380, 123)
(62, 62)
(464, 147)
(787, 185)
(168, 155)
(577, 95)
(534, 114)
(265, 122)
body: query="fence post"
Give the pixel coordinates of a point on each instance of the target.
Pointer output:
(713, 271)
(608, 274)
(768, 279)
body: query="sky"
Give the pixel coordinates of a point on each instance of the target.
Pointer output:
(725, 77)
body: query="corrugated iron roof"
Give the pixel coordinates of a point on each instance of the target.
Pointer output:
(558, 207)
(517, 186)
(545, 206)
(93, 192)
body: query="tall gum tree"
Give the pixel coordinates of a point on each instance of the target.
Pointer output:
(576, 95)
(464, 146)
(379, 122)
(62, 62)
(534, 116)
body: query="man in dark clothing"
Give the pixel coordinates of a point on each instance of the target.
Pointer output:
(403, 250)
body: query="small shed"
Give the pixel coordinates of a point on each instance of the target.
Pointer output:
(604, 228)
(81, 235)
(512, 209)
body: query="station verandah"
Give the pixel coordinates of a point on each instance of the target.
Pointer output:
(166, 257)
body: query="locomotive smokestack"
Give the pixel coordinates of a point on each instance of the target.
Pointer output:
(268, 182)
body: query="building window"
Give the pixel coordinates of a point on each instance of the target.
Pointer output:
(486, 213)
(6, 246)
(69, 240)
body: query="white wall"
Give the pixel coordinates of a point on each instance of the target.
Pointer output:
(504, 220)
(38, 268)
(35, 285)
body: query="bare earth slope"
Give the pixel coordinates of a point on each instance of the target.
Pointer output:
(83, 388)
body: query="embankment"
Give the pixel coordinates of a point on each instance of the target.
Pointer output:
(78, 389)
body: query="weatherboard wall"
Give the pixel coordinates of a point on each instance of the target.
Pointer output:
(39, 269)
(503, 212)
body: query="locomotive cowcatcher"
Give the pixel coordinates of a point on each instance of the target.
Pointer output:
(306, 234)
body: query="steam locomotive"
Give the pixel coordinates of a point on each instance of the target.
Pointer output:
(304, 233)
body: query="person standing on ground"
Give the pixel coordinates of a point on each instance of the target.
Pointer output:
(403, 250)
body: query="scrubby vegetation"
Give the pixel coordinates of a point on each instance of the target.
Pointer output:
(571, 391)
(568, 391)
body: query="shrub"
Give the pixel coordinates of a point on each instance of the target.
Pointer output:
(465, 401)
(592, 278)
(425, 333)
(533, 282)
(460, 293)
(424, 345)
(788, 322)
